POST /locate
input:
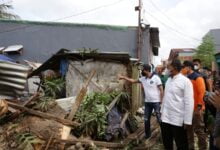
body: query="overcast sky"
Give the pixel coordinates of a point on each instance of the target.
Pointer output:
(182, 23)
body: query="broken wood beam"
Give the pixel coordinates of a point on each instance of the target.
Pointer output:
(112, 104)
(32, 98)
(91, 142)
(49, 142)
(125, 117)
(43, 115)
(18, 112)
(80, 96)
(82, 93)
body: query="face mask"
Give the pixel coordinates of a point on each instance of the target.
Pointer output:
(143, 73)
(196, 67)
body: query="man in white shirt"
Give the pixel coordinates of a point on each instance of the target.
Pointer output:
(153, 90)
(177, 108)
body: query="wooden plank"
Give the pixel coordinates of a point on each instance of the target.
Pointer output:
(112, 104)
(80, 96)
(89, 142)
(18, 112)
(32, 98)
(43, 115)
(49, 142)
(139, 133)
(125, 117)
(66, 130)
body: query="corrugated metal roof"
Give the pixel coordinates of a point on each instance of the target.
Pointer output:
(53, 62)
(1, 48)
(12, 79)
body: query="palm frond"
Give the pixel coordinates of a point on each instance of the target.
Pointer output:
(5, 13)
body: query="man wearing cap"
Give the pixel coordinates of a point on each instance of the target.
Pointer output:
(153, 91)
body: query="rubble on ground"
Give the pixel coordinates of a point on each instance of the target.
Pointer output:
(96, 120)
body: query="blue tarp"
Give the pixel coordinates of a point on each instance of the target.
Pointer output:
(5, 58)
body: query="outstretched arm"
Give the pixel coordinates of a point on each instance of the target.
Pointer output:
(161, 92)
(128, 79)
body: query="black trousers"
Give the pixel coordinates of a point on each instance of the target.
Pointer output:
(176, 133)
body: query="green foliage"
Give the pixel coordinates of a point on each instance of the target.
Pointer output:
(53, 87)
(205, 51)
(27, 140)
(83, 51)
(45, 103)
(92, 114)
(5, 14)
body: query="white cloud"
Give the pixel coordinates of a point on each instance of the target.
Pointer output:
(193, 18)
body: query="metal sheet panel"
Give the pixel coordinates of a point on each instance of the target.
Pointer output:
(13, 78)
(13, 48)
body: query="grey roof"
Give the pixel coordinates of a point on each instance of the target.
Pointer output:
(54, 61)
(66, 24)
(215, 33)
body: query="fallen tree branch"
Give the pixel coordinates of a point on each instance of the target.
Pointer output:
(43, 115)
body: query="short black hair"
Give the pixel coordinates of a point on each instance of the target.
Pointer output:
(197, 60)
(176, 64)
(147, 67)
(188, 64)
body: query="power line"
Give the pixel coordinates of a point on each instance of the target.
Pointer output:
(173, 29)
(88, 11)
(74, 15)
(159, 10)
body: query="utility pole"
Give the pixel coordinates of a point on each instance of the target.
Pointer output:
(139, 32)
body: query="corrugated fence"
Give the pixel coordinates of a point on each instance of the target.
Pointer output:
(13, 78)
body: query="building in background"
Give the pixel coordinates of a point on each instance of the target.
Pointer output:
(40, 40)
(182, 54)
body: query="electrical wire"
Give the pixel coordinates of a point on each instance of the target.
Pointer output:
(88, 11)
(73, 15)
(159, 10)
(171, 28)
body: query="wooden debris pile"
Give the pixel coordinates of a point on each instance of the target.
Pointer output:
(97, 120)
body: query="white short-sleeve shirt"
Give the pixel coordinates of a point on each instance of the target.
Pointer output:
(151, 90)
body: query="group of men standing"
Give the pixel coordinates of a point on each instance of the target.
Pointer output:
(178, 103)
